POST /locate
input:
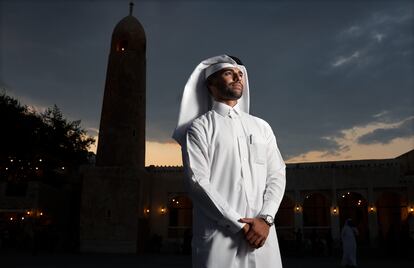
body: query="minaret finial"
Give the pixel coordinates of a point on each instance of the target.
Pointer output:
(131, 6)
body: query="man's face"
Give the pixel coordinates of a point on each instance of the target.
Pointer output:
(228, 84)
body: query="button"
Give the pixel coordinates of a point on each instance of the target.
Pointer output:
(244, 159)
(227, 226)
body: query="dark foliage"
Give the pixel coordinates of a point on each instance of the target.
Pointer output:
(39, 146)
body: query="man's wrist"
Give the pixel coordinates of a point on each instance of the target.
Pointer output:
(263, 220)
(268, 219)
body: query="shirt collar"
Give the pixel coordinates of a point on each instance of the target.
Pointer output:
(226, 110)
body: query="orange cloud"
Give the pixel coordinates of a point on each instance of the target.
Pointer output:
(351, 149)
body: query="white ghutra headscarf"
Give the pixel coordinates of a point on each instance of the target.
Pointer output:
(196, 99)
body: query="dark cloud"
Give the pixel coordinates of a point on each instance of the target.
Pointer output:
(386, 135)
(315, 67)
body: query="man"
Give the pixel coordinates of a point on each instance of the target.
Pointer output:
(349, 245)
(235, 172)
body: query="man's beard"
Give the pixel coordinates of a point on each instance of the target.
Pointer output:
(228, 93)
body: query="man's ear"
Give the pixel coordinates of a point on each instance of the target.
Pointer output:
(211, 84)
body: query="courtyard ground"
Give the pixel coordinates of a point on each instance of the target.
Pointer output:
(19, 260)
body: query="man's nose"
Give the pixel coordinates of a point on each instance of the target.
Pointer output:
(237, 77)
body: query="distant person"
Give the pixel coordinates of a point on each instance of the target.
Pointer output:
(234, 171)
(349, 246)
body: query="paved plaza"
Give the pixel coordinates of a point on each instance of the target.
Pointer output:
(16, 260)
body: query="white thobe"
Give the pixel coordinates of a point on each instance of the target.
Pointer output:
(234, 170)
(349, 245)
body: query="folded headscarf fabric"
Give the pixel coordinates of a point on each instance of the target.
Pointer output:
(196, 99)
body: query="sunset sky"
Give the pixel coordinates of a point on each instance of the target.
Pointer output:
(333, 78)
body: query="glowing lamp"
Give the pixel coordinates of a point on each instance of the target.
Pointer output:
(163, 210)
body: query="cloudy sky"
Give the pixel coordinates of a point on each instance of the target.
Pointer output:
(333, 78)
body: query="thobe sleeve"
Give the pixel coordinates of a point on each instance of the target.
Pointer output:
(276, 176)
(197, 165)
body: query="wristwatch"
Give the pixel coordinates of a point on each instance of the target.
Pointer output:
(268, 219)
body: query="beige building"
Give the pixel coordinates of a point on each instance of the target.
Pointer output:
(377, 194)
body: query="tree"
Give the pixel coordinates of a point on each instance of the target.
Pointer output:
(39, 145)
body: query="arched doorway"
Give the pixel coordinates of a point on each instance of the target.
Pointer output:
(354, 206)
(317, 223)
(392, 215)
(180, 211)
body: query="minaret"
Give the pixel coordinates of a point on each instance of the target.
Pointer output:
(112, 218)
(122, 128)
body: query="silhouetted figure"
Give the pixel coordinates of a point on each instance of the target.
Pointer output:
(349, 246)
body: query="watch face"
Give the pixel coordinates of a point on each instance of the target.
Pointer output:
(269, 219)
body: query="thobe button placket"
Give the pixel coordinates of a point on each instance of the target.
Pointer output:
(244, 158)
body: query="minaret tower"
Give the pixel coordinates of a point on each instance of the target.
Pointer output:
(112, 218)
(122, 129)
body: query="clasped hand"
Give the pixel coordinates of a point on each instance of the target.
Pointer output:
(255, 230)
